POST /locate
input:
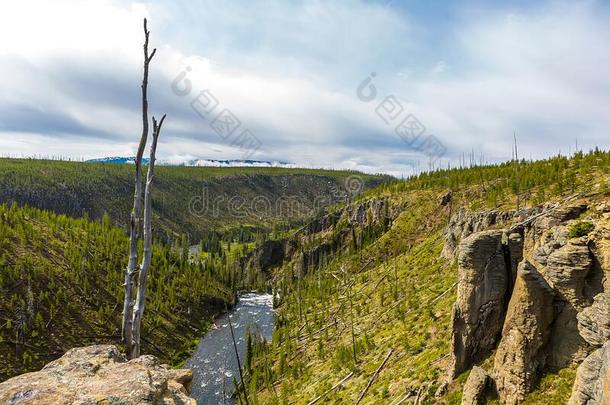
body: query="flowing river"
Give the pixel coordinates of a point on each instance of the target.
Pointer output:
(214, 363)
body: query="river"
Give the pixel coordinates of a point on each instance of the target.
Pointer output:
(214, 363)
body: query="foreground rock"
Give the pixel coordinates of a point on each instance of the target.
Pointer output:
(99, 375)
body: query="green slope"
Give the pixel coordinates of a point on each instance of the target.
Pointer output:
(61, 287)
(395, 292)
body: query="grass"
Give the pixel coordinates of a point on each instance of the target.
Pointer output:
(580, 229)
(402, 303)
(553, 388)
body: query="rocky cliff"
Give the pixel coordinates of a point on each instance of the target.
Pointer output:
(99, 375)
(323, 236)
(532, 296)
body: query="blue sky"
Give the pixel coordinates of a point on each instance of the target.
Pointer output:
(471, 72)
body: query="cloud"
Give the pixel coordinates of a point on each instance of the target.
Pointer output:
(473, 74)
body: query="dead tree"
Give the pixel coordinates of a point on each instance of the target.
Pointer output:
(517, 171)
(138, 310)
(132, 316)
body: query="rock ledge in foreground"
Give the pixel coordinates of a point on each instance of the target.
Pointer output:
(99, 375)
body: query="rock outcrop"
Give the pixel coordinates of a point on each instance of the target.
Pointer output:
(478, 313)
(592, 384)
(594, 321)
(557, 288)
(303, 245)
(520, 355)
(464, 223)
(99, 375)
(566, 270)
(476, 387)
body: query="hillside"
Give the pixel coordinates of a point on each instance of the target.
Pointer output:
(186, 200)
(61, 287)
(365, 295)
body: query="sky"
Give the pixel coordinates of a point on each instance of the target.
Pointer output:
(316, 83)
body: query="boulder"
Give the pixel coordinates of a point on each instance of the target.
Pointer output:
(476, 386)
(99, 375)
(592, 384)
(520, 355)
(594, 321)
(478, 313)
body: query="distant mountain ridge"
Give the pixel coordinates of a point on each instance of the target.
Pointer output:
(198, 162)
(78, 188)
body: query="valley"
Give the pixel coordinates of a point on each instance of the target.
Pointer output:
(62, 262)
(364, 294)
(366, 202)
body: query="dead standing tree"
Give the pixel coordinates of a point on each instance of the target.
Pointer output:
(142, 201)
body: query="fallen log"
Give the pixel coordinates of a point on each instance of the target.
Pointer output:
(334, 387)
(374, 377)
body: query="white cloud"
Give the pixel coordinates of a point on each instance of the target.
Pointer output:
(289, 71)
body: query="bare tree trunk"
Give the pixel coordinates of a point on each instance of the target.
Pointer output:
(147, 255)
(517, 171)
(136, 213)
(241, 375)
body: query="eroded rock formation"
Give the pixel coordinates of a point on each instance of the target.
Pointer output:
(302, 245)
(594, 321)
(592, 385)
(478, 313)
(521, 355)
(465, 223)
(99, 375)
(553, 312)
(476, 387)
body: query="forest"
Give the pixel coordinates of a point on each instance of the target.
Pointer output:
(93, 189)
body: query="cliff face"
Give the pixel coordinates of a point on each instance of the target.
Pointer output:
(304, 246)
(99, 375)
(537, 293)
